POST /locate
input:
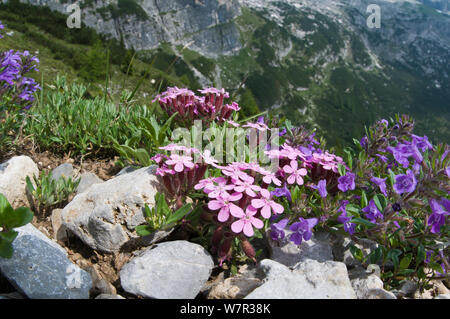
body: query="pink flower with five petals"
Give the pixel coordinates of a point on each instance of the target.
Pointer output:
(296, 174)
(266, 204)
(246, 221)
(226, 206)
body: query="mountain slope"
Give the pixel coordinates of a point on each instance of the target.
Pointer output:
(315, 61)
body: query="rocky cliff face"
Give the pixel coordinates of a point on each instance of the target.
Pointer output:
(206, 25)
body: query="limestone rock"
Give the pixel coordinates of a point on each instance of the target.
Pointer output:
(12, 179)
(169, 270)
(105, 217)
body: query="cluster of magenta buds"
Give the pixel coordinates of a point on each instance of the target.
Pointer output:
(191, 107)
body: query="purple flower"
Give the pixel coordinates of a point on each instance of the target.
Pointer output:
(437, 218)
(283, 132)
(282, 192)
(372, 212)
(405, 183)
(322, 188)
(302, 230)
(363, 142)
(346, 182)
(402, 152)
(344, 219)
(447, 171)
(422, 142)
(277, 229)
(381, 183)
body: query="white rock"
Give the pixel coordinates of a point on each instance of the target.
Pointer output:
(12, 179)
(309, 280)
(368, 286)
(289, 254)
(170, 270)
(105, 216)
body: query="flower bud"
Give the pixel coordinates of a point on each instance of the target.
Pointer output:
(248, 249)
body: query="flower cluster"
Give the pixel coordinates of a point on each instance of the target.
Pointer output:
(394, 191)
(190, 107)
(16, 90)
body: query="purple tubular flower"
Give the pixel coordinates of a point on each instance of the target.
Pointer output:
(405, 183)
(344, 219)
(381, 183)
(322, 188)
(402, 152)
(277, 229)
(363, 142)
(280, 192)
(447, 171)
(437, 218)
(302, 230)
(346, 182)
(372, 212)
(422, 143)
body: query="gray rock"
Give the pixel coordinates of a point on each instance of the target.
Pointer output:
(87, 180)
(408, 288)
(108, 296)
(444, 296)
(126, 170)
(63, 171)
(341, 249)
(105, 217)
(100, 285)
(309, 280)
(12, 179)
(41, 271)
(368, 285)
(289, 254)
(170, 270)
(59, 230)
(238, 286)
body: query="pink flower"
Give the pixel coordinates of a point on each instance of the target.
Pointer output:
(247, 187)
(219, 190)
(204, 182)
(235, 173)
(296, 174)
(246, 221)
(270, 177)
(233, 123)
(226, 206)
(180, 162)
(266, 204)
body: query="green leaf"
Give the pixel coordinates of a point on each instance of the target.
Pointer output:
(6, 249)
(356, 252)
(421, 254)
(162, 132)
(375, 255)
(5, 208)
(9, 236)
(377, 203)
(144, 230)
(179, 214)
(364, 201)
(362, 221)
(341, 169)
(19, 217)
(393, 255)
(161, 205)
(404, 263)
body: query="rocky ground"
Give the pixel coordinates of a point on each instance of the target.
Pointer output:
(88, 249)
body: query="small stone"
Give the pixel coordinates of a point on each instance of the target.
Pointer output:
(59, 229)
(109, 296)
(289, 254)
(41, 271)
(368, 285)
(63, 171)
(87, 180)
(13, 175)
(100, 285)
(408, 288)
(308, 280)
(169, 270)
(443, 296)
